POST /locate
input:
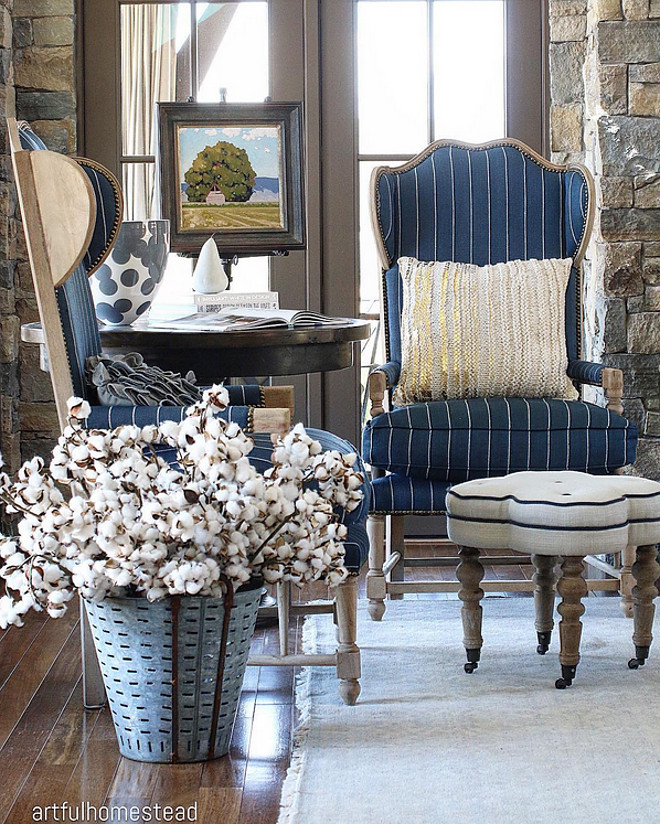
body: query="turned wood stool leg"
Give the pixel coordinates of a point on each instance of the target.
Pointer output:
(645, 571)
(627, 581)
(470, 573)
(376, 589)
(348, 652)
(544, 599)
(572, 588)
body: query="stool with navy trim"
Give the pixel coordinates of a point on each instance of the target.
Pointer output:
(554, 515)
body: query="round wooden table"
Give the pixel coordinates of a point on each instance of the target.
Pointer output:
(216, 355)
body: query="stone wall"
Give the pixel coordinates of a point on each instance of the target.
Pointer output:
(9, 321)
(37, 53)
(605, 112)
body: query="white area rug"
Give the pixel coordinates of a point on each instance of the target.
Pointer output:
(427, 743)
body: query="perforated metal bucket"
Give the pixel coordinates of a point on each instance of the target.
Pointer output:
(160, 664)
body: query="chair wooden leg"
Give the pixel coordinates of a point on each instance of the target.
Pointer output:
(544, 599)
(645, 571)
(348, 652)
(283, 611)
(376, 589)
(572, 588)
(93, 688)
(627, 581)
(397, 544)
(470, 573)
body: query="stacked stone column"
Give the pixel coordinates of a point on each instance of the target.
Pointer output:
(9, 320)
(605, 112)
(41, 60)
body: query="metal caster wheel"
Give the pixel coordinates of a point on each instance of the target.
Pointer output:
(567, 676)
(473, 656)
(641, 654)
(544, 641)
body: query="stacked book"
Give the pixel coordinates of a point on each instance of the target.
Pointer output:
(223, 301)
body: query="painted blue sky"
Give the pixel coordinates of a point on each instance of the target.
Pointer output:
(260, 142)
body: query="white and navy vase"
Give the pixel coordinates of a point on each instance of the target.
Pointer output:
(126, 283)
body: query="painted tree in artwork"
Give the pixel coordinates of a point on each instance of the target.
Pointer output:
(223, 166)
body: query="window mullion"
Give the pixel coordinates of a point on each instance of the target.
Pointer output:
(430, 70)
(194, 80)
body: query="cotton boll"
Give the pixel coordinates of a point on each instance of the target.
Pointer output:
(78, 408)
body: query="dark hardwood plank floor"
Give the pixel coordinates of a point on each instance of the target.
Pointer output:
(52, 751)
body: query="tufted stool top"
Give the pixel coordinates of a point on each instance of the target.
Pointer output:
(555, 513)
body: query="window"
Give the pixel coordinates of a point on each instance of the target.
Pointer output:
(379, 80)
(445, 79)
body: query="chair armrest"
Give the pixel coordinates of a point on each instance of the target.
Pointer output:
(249, 418)
(380, 380)
(282, 397)
(595, 374)
(586, 372)
(392, 372)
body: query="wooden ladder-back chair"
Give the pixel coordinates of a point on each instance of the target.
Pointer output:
(480, 204)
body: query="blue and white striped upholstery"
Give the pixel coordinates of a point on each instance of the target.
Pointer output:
(586, 372)
(399, 495)
(458, 440)
(109, 209)
(79, 325)
(29, 140)
(483, 205)
(107, 417)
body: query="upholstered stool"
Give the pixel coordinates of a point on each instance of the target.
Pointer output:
(552, 515)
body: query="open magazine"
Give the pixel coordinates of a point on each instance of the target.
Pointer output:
(239, 320)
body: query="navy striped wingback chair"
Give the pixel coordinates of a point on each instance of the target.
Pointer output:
(483, 205)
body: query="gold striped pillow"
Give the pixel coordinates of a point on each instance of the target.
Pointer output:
(483, 331)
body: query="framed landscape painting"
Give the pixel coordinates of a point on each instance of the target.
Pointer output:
(234, 171)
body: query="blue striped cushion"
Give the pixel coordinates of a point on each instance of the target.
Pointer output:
(107, 417)
(481, 205)
(398, 495)
(462, 439)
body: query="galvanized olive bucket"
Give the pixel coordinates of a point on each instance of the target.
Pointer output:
(173, 671)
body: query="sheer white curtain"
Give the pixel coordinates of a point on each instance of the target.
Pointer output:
(148, 75)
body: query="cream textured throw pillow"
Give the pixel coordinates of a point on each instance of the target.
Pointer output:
(483, 331)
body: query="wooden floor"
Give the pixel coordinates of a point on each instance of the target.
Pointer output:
(52, 751)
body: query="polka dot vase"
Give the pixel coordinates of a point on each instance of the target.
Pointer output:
(126, 284)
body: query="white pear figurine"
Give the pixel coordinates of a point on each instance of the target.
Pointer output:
(209, 276)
